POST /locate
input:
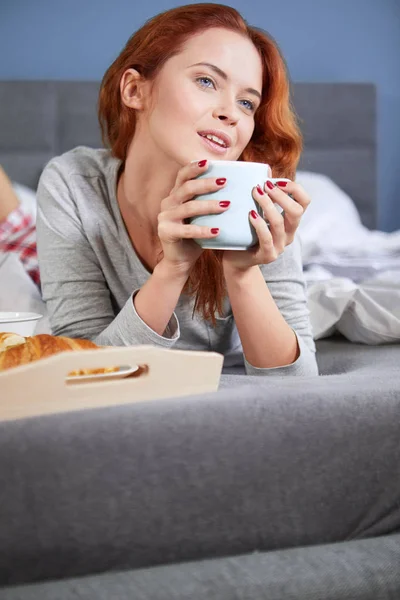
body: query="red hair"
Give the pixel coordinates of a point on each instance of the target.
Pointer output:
(276, 139)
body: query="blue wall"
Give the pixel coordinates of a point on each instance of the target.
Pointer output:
(322, 40)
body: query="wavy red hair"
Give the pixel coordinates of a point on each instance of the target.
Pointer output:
(276, 139)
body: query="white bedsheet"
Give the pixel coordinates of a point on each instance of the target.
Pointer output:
(352, 273)
(367, 312)
(364, 255)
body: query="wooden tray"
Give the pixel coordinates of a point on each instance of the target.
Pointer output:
(41, 387)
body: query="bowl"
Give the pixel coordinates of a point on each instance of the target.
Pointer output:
(23, 323)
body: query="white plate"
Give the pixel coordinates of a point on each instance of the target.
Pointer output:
(18, 317)
(22, 323)
(120, 374)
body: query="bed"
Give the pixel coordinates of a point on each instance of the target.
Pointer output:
(355, 403)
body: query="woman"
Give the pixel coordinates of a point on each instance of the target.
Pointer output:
(117, 257)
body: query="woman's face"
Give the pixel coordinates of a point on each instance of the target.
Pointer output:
(218, 97)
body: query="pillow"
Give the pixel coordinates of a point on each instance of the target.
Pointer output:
(330, 213)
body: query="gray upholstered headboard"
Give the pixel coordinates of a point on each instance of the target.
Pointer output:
(40, 119)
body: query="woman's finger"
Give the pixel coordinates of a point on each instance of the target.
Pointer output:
(274, 219)
(197, 187)
(293, 211)
(171, 231)
(298, 193)
(191, 188)
(194, 208)
(267, 249)
(189, 171)
(282, 199)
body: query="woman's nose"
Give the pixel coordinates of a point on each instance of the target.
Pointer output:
(226, 118)
(226, 114)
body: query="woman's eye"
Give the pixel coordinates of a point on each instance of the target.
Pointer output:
(250, 105)
(201, 80)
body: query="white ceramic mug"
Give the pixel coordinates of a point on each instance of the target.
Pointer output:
(235, 229)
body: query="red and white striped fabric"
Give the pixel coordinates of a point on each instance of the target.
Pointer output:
(18, 235)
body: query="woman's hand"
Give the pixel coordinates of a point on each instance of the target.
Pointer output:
(281, 230)
(180, 250)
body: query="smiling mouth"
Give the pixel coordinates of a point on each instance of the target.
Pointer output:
(218, 147)
(214, 139)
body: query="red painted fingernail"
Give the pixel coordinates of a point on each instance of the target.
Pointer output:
(224, 203)
(270, 185)
(220, 181)
(281, 183)
(259, 190)
(254, 214)
(202, 163)
(215, 230)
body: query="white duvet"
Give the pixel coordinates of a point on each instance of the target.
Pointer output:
(352, 273)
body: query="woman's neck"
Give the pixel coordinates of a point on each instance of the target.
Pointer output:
(146, 180)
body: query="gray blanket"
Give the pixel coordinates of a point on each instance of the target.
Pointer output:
(262, 464)
(346, 370)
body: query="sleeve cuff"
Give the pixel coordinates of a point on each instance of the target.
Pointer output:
(128, 329)
(171, 333)
(305, 364)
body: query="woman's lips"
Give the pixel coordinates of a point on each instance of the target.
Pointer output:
(213, 146)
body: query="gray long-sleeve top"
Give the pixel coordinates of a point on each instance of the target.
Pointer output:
(90, 272)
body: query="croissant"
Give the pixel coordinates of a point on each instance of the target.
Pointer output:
(42, 346)
(10, 339)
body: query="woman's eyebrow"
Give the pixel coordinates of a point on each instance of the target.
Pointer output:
(222, 74)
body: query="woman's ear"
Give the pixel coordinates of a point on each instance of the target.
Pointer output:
(133, 89)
